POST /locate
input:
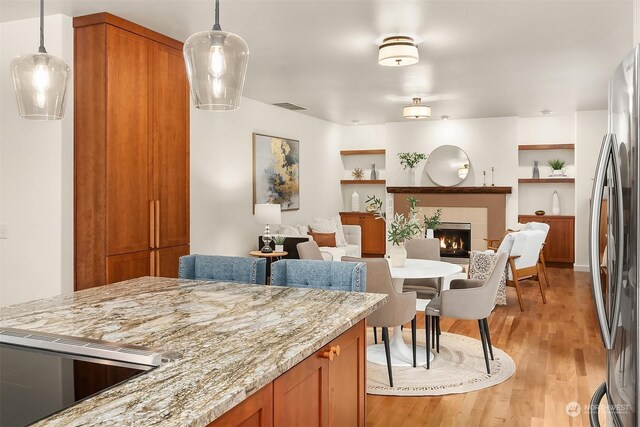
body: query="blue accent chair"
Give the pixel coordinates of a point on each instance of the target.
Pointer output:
(329, 275)
(224, 268)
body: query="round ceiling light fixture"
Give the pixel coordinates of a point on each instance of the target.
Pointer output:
(417, 111)
(398, 51)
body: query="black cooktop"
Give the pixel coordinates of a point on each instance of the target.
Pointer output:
(35, 384)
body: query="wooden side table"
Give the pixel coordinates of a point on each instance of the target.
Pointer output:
(269, 256)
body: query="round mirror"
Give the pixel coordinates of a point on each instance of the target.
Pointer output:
(448, 165)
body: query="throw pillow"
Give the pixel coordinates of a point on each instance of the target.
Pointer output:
(302, 229)
(323, 225)
(290, 230)
(341, 240)
(324, 239)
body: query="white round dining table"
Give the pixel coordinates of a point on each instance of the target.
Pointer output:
(401, 353)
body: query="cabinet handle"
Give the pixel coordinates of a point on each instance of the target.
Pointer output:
(157, 223)
(336, 350)
(152, 263)
(152, 225)
(328, 355)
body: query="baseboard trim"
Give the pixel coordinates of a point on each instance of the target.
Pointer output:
(577, 267)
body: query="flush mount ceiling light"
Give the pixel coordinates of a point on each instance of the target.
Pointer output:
(416, 110)
(40, 81)
(216, 63)
(398, 51)
(444, 117)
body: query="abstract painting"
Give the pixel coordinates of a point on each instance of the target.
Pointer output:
(276, 171)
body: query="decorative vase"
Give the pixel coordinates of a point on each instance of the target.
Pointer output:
(374, 172)
(429, 234)
(557, 172)
(355, 202)
(536, 171)
(555, 204)
(279, 248)
(416, 177)
(398, 255)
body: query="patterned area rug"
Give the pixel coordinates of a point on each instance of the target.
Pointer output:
(458, 368)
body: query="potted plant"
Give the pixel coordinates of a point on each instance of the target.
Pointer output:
(411, 160)
(278, 240)
(400, 229)
(432, 223)
(557, 167)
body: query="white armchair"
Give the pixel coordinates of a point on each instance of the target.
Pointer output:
(524, 249)
(542, 227)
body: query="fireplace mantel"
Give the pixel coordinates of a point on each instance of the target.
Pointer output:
(449, 190)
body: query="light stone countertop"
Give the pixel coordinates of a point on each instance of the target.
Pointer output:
(234, 339)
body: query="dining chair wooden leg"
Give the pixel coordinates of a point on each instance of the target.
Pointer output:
(387, 352)
(413, 339)
(488, 334)
(484, 345)
(515, 281)
(433, 332)
(426, 332)
(375, 335)
(544, 269)
(544, 298)
(437, 334)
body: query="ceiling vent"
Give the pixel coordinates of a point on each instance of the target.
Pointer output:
(289, 106)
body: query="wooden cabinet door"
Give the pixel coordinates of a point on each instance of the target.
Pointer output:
(129, 266)
(560, 241)
(170, 146)
(350, 219)
(373, 235)
(256, 411)
(128, 163)
(300, 394)
(347, 379)
(167, 260)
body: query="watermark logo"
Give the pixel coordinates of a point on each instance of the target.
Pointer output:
(572, 409)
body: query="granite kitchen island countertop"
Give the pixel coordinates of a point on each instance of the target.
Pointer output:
(233, 338)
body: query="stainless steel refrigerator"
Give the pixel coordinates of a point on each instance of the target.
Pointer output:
(613, 248)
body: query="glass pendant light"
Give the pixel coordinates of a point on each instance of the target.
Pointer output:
(216, 63)
(417, 110)
(40, 81)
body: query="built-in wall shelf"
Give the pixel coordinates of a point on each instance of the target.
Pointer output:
(362, 152)
(546, 180)
(363, 181)
(546, 147)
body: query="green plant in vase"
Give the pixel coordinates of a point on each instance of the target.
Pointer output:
(410, 161)
(278, 240)
(432, 222)
(557, 167)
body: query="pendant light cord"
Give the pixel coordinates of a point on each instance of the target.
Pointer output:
(41, 48)
(216, 26)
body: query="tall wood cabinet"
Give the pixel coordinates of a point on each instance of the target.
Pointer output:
(373, 232)
(131, 152)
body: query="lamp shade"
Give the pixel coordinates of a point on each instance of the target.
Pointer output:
(416, 110)
(267, 213)
(216, 64)
(398, 51)
(40, 81)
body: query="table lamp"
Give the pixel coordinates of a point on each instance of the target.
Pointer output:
(267, 213)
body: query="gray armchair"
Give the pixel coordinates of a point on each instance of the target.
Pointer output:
(470, 300)
(423, 249)
(329, 275)
(399, 309)
(225, 268)
(310, 250)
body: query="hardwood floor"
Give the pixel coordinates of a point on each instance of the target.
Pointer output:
(558, 354)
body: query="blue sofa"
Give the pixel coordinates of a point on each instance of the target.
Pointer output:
(224, 268)
(330, 275)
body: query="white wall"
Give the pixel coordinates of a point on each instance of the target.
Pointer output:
(591, 126)
(222, 220)
(36, 176)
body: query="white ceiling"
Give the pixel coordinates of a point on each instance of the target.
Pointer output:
(477, 58)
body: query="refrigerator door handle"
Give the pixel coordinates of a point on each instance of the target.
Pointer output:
(595, 403)
(606, 331)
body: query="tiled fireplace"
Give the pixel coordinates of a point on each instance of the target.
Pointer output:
(455, 240)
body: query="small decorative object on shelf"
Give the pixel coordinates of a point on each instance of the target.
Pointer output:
(484, 178)
(410, 161)
(555, 204)
(358, 174)
(557, 167)
(355, 202)
(432, 223)
(372, 206)
(492, 173)
(278, 240)
(536, 171)
(539, 213)
(374, 172)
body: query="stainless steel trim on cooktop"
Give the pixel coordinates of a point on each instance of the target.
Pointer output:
(86, 347)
